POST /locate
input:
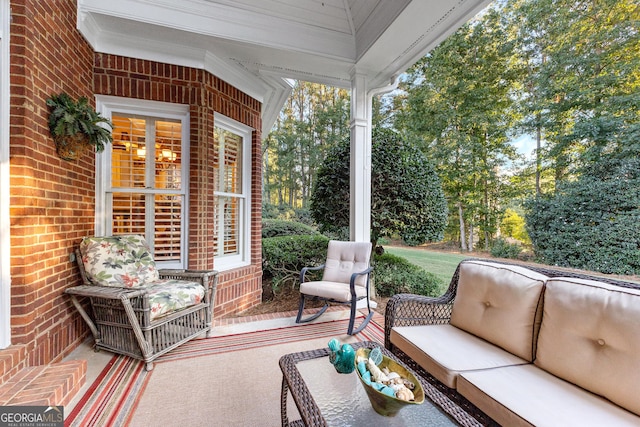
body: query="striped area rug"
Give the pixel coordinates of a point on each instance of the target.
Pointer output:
(113, 397)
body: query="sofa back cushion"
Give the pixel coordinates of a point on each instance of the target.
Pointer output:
(501, 304)
(590, 336)
(122, 261)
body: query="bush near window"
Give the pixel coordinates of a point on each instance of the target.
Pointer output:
(278, 227)
(284, 256)
(394, 275)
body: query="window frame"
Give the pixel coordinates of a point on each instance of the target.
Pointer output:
(109, 105)
(243, 259)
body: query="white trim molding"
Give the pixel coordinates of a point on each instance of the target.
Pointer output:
(5, 241)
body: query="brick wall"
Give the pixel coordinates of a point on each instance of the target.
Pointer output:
(53, 201)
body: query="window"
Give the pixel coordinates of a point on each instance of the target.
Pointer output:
(232, 175)
(144, 188)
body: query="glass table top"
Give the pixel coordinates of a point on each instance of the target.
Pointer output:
(343, 401)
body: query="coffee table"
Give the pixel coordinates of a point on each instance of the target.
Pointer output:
(326, 398)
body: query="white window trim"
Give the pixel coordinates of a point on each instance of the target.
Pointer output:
(5, 241)
(244, 258)
(107, 105)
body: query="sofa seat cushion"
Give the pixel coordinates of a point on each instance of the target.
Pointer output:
(445, 351)
(120, 261)
(169, 295)
(590, 336)
(526, 395)
(332, 290)
(499, 303)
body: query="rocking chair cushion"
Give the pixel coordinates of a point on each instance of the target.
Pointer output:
(332, 290)
(169, 295)
(120, 261)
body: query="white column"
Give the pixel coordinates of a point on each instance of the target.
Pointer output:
(5, 276)
(360, 200)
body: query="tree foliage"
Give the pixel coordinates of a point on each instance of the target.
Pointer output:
(406, 193)
(591, 223)
(580, 77)
(314, 118)
(458, 102)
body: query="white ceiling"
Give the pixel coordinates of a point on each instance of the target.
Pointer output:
(256, 45)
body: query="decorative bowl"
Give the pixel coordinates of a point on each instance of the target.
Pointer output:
(384, 404)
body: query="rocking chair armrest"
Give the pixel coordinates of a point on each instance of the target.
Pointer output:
(354, 276)
(305, 269)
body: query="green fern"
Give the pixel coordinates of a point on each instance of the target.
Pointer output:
(68, 118)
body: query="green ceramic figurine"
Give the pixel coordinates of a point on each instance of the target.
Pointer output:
(342, 356)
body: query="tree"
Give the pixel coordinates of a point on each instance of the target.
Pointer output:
(313, 119)
(406, 193)
(458, 101)
(591, 223)
(581, 89)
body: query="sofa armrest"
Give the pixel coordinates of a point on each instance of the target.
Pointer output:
(413, 310)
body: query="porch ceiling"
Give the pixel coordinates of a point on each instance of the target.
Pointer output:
(257, 45)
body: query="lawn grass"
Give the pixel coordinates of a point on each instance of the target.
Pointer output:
(442, 264)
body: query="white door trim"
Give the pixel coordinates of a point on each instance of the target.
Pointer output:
(5, 241)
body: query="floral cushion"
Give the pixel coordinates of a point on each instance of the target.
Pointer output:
(126, 261)
(169, 295)
(122, 261)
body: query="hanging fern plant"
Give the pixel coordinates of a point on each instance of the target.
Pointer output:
(76, 126)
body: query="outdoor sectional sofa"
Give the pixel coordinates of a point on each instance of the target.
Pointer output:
(523, 345)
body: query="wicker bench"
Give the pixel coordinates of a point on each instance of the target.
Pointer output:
(510, 344)
(136, 310)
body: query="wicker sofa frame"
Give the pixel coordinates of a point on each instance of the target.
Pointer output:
(120, 318)
(412, 310)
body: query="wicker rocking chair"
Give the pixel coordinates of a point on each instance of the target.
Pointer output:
(345, 280)
(135, 309)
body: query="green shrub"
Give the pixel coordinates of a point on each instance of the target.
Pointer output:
(394, 275)
(284, 256)
(503, 249)
(591, 223)
(278, 227)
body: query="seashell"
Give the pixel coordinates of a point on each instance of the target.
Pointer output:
(408, 384)
(392, 376)
(376, 374)
(405, 394)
